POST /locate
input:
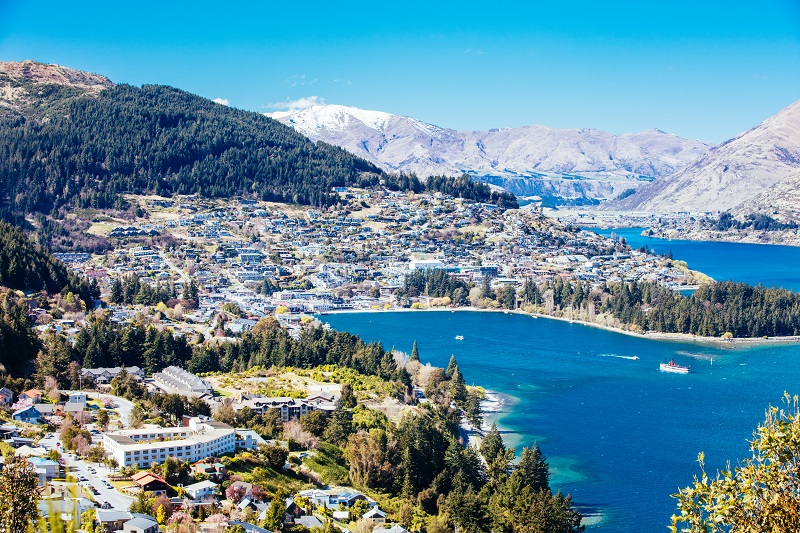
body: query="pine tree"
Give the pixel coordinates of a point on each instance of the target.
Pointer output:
(415, 352)
(492, 445)
(451, 367)
(533, 469)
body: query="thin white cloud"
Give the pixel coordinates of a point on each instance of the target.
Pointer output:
(295, 105)
(300, 80)
(223, 101)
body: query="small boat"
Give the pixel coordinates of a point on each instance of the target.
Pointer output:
(674, 367)
(459, 337)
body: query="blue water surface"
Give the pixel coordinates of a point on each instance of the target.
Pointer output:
(767, 264)
(620, 436)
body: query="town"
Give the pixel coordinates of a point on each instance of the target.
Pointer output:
(182, 445)
(245, 260)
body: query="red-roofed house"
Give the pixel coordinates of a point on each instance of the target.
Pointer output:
(150, 482)
(34, 395)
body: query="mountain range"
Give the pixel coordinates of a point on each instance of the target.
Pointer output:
(756, 171)
(95, 140)
(584, 165)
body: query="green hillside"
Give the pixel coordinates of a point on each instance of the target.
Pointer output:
(157, 139)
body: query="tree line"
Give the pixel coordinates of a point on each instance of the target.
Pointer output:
(756, 221)
(713, 310)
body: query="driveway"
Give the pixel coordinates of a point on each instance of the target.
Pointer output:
(123, 408)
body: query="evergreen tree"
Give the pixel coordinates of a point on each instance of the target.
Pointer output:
(492, 445)
(451, 366)
(533, 469)
(415, 352)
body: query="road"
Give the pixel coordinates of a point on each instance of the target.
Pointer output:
(79, 468)
(172, 266)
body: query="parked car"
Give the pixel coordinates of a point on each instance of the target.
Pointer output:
(105, 505)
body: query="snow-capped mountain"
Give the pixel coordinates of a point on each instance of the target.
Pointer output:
(585, 164)
(759, 165)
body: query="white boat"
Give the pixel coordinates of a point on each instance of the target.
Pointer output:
(674, 367)
(459, 337)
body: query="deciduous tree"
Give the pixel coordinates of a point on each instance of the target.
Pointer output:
(762, 494)
(18, 495)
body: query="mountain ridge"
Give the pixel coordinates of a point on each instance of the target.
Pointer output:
(730, 174)
(527, 157)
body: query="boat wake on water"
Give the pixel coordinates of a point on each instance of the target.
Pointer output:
(629, 357)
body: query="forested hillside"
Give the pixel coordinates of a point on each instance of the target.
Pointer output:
(157, 139)
(716, 309)
(25, 266)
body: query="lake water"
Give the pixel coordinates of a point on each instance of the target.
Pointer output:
(620, 436)
(767, 264)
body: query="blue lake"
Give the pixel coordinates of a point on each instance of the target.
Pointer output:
(766, 264)
(620, 436)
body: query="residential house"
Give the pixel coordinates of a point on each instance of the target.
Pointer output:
(202, 490)
(6, 397)
(113, 520)
(249, 528)
(78, 397)
(35, 396)
(49, 466)
(7, 431)
(376, 515)
(27, 414)
(216, 472)
(45, 409)
(140, 524)
(248, 487)
(77, 410)
(333, 498)
(103, 376)
(150, 482)
(311, 522)
(397, 528)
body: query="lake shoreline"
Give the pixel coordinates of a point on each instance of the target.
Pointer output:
(653, 335)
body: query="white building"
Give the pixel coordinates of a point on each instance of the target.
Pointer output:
(78, 397)
(425, 264)
(177, 380)
(201, 439)
(202, 490)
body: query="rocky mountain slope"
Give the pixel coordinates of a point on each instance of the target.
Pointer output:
(583, 164)
(755, 166)
(27, 86)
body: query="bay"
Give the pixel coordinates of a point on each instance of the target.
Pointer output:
(620, 435)
(767, 264)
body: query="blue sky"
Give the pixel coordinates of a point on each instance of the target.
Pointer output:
(699, 69)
